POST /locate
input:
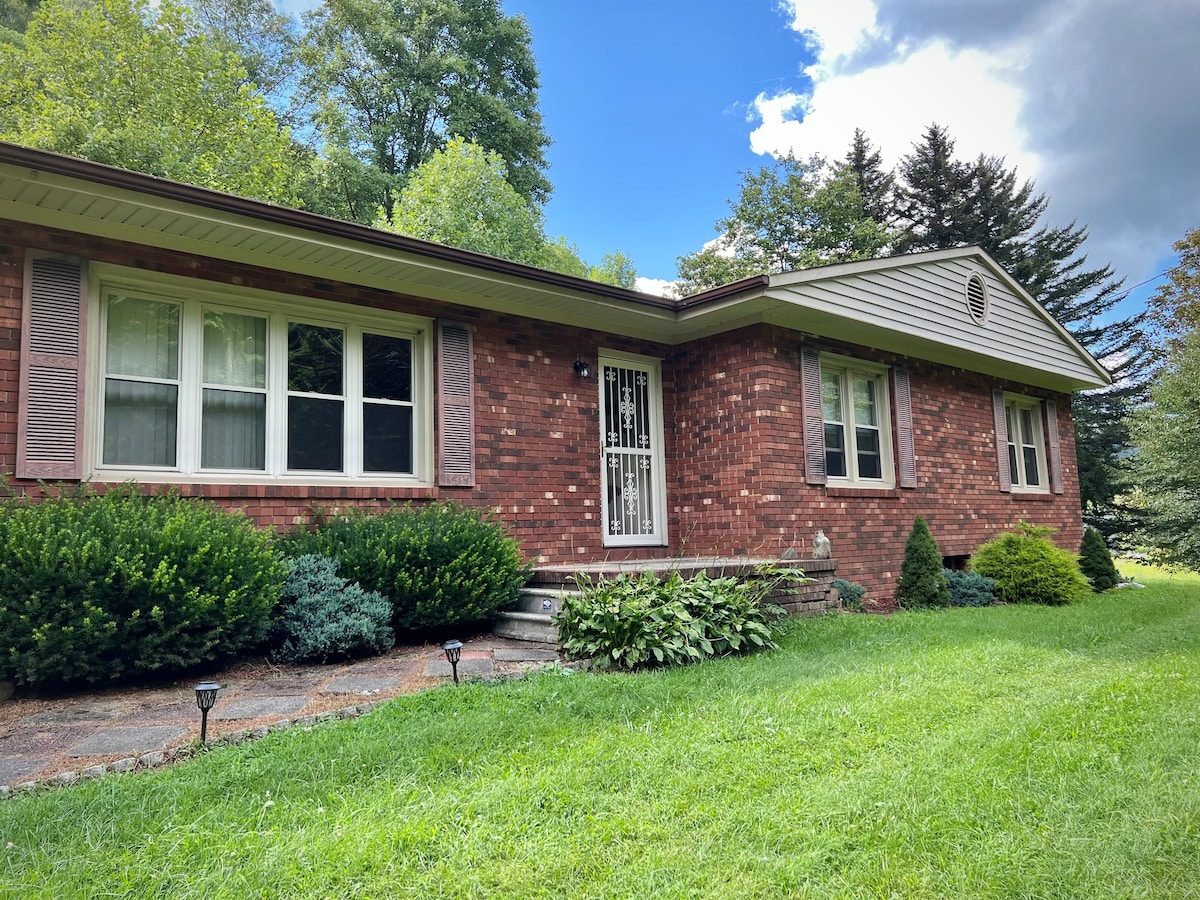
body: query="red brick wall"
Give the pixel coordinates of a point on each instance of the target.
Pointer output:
(733, 444)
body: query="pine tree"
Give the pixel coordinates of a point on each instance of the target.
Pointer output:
(1096, 562)
(922, 581)
(931, 195)
(874, 184)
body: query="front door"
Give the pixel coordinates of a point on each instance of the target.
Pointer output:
(633, 491)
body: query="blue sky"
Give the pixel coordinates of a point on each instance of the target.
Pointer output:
(655, 107)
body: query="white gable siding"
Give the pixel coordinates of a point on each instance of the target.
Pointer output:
(920, 307)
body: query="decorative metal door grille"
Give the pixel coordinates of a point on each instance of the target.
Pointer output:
(628, 397)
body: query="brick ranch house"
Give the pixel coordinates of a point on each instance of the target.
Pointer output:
(287, 364)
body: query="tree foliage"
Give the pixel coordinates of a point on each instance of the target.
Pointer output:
(793, 214)
(138, 86)
(392, 81)
(262, 37)
(1166, 432)
(875, 186)
(1175, 307)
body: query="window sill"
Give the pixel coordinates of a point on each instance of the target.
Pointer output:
(1034, 496)
(845, 490)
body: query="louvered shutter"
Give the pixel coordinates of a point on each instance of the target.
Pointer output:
(456, 406)
(50, 410)
(1053, 451)
(814, 424)
(1001, 440)
(904, 428)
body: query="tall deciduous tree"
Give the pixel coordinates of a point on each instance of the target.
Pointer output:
(392, 81)
(1175, 307)
(791, 215)
(1167, 466)
(942, 202)
(136, 86)
(264, 38)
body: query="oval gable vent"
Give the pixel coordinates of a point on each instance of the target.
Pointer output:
(977, 298)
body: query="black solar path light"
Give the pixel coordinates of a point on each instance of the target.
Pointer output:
(453, 650)
(206, 696)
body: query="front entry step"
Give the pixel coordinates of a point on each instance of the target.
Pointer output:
(526, 626)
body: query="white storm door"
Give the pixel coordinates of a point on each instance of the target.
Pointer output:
(632, 490)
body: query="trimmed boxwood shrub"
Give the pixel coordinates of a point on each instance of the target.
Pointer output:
(970, 589)
(922, 583)
(440, 564)
(324, 617)
(638, 621)
(1096, 562)
(118, 586)
(1028, 568)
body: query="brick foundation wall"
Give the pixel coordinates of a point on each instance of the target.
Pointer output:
(733, 445)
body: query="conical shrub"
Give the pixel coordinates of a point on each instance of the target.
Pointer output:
(922, 582)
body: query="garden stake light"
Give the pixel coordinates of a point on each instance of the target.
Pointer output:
(453, 651)
(206, 696)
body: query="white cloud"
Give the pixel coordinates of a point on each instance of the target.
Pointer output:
(1091, 98)
(659, 287)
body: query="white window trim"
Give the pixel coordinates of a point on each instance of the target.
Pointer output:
(844, 365)
(1017, 402)
(194, 296)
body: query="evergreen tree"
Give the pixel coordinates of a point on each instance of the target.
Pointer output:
(874, 184)
(1096, 562)
(922, 581)
(930, 196)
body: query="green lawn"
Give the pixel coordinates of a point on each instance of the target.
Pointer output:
(1005, 752)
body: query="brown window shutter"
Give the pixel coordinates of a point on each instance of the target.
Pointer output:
(1053, 450)
(904, 428)
(50, 410)
(1001, 440)
(814, 423)
(456, 406)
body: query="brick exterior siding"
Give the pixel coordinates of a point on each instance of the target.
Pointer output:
(733, 443)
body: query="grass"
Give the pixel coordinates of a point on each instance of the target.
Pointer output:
(1003, 752)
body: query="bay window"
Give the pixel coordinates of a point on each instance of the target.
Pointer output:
(196, 385)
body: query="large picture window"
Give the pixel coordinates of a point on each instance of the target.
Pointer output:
(854, 409)
(192, 386)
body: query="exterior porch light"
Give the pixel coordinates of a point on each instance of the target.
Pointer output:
(453, 651)
(206, 696)
(582, 369)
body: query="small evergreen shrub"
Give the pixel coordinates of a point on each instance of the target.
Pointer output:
(922, 583)
(440, 564)
(638, 621)
(1096, 562)
(970, 589)
(324, 617)
(850, 593)
(1028, 568)
(117, 586)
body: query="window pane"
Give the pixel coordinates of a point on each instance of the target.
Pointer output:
(1027, 426)
(870, 462)
(865, 409)
(233, 430)
(1014, 473)
(315, 359)
(387, 438)
(831, 396)
(139, 423)
(314, 434)
(387, 367)
(835, 451)
(1031, 467)
(235, 350)
(142, 338)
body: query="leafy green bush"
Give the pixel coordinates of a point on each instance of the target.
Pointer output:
(1028, 568)
(921, 583)
(116, 586)
(440, 564)
(324, 617)
(970, 589)
(1096, 562)
(635, 621)
(851, 594)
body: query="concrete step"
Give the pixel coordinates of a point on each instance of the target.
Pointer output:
(526, 626)
(544, 600)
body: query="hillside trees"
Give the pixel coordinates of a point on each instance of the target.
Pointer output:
(139, 86)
